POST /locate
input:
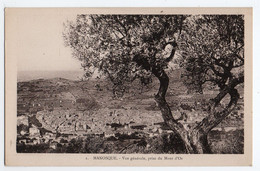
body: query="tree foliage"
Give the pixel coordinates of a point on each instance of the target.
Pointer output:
(109, 43)
(212, 48)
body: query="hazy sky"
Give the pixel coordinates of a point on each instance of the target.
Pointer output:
(39, 41)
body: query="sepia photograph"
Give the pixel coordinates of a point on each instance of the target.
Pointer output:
(129, 85)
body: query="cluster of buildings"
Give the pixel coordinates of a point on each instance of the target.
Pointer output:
(61, 126)
(63, 116)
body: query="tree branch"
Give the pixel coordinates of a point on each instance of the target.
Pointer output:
(216, 72)
(218, 62)
(238, 65)
(121, 24)
(214, 117)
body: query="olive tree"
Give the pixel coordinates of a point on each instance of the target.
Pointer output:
(124, 48)
(212, 49)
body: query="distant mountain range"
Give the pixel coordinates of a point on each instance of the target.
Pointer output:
(175, 74)
(33, 75)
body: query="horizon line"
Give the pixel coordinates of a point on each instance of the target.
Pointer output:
(48, 70)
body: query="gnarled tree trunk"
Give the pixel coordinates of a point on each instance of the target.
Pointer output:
(196, 139)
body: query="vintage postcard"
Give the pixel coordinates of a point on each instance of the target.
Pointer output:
(128, 86)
